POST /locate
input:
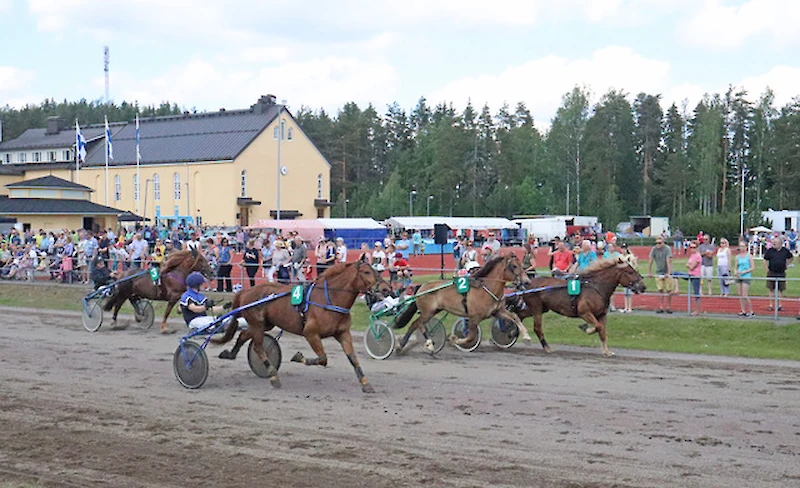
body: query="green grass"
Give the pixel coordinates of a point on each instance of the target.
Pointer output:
(678, 333)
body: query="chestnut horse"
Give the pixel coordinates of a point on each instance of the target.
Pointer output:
(325, 312)
(483, 299)
(172, 283)
(597, 283)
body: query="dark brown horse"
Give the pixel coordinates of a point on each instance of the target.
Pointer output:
(597, 284)
(172, 283)
(324, 313)
(484, 299)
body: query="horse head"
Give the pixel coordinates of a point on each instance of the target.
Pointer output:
(629, 277)
(514, 271)
(367, 279)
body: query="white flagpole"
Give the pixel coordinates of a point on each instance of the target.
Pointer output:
(106, 160)
(77, 154)
(138, 174)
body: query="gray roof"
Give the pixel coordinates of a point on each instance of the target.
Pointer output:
(37, 139)
(213, 136)
(49, 181)
(22, 206)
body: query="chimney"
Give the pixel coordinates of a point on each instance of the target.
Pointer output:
(263, 103)
(54, 125)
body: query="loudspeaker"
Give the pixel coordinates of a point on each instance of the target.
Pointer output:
(440, 233)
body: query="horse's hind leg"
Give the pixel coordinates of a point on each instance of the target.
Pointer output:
(422, 319)
(240, 341)
(315, 341)
(258, 347)
(346, 340)
(597, 325)
(537, 328)
(170, 304)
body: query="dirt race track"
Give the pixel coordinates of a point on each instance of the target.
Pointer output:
(104, 409)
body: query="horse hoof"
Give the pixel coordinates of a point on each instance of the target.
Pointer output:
(547, 349)
(226, 354)
(399, 350)
(462, 341)
(367, 388)
(583, 327)
(298, 357)
(429, 346)
(272, 372)
(452, 340)
(275, 382)
(608, 354)
(527, 339)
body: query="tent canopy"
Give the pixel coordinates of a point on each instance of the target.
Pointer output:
(474, 223)
(350, 224)
(309, 230)
(760, 228)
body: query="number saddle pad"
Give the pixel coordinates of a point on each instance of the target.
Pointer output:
(462, 284)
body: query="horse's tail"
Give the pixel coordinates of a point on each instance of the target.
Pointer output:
(233, 325)
(405, 316)
(123, 292)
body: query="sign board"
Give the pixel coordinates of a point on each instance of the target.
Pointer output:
(297, 294)
(154, 274)
(574, 287)
(462, 284)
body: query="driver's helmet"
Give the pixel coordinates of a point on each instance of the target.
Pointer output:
(471, 265)
(195, 280)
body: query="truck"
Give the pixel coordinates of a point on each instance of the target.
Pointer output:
(544, 229)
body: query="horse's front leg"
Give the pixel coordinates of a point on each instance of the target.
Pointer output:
(504, 314)
(537, 328)
(346, 340)
(315, 341)
(597, 325)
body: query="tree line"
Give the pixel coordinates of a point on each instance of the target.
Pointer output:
(622, 156)
(618, 157)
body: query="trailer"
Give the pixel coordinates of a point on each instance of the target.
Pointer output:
(544, 229)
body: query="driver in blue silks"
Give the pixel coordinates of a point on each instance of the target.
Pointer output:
(194, 304)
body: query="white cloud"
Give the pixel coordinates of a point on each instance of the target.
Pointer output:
(13, 80)
(540, 83)
(725, 27)
(784, 81)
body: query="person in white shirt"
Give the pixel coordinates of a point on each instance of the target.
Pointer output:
(378, 258)
(341, 251)
(139, 250)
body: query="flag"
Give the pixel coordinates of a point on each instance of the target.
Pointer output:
(109, 147)
(138, 154)
(80, 143)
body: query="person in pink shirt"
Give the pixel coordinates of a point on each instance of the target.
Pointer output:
(694, 267)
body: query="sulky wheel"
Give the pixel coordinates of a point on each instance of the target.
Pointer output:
(504, 333)
(145, 315)
(92, 315)
(460, 331)
(273, 352)
(190, 364)
(437, 333)
(379, 340)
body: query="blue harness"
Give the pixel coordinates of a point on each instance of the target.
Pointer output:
(326, 306)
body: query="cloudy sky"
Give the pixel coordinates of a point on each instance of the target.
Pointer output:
(208, 54)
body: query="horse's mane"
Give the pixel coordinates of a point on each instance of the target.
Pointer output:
(488, 267)
(601, 264)
(176, 257)
(335, 270)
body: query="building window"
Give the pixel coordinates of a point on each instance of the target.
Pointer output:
(22, 157)
(176, 186)
(275, 132)
(51, 156)
(66, 155)
(319, 186)
(136, 188)
(37, 157)
(289, 134)
(7, 158)
(156, 187)
(117, 188)
(244, 183)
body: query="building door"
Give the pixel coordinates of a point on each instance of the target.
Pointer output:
(244, 216)
(787, 224)
(88, 223)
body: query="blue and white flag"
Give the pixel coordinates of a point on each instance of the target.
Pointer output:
(138, 154)
(109, 147)
(80, 143)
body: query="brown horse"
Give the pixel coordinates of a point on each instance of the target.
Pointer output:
(172, 283)
(598, 282)
(483, 299)
(325, 312)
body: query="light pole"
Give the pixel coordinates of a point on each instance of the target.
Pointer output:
(411, 203)
(346, 201)
(430, 197)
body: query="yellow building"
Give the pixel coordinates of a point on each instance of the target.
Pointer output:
(50, 203)
(218, 168)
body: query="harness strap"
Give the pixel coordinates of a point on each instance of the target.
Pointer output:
(327, 306)
(490, 293)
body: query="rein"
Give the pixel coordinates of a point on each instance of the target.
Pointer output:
(327, 306)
